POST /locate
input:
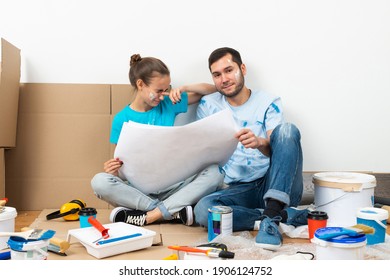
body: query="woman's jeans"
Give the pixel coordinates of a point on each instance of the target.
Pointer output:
(283, 182)
(117, 192)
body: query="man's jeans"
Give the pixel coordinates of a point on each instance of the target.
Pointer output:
(283, 181)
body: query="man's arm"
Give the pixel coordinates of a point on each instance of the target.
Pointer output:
(194, 91)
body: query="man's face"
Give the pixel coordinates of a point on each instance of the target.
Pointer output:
(228, 76)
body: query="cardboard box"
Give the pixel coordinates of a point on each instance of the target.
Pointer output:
(121, 95)
(63, 141)
(2, 173)
(9, 93)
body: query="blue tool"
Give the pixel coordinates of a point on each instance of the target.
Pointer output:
(5, 255)
(118, 238)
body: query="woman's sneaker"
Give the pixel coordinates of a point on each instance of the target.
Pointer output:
(129, 216)
(185, 216)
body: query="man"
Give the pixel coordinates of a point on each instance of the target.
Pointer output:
(264, 175)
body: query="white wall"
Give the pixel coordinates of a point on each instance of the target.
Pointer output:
(328, 60)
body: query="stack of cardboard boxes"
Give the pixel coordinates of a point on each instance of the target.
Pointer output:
(9, 99)
(62, 138)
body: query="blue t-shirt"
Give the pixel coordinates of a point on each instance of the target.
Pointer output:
(260, 113)
(163, 114)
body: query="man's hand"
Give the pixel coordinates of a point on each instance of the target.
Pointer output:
(249, 140)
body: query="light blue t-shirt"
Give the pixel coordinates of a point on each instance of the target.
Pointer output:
(163, 114)
(261, 112)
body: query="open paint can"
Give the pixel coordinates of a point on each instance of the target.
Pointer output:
(375, 218)
(7, 224)
(339, 248)
(22, 249)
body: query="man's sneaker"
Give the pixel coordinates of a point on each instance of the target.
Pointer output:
(269, 236)
(129, 216)
(296, 217)
(185, 216)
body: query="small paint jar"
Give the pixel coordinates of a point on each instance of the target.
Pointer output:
(220, 221)
(84, 214)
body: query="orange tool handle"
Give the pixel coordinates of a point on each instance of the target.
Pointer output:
(188, 249)
(96, 224)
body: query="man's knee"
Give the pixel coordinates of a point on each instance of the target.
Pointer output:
(286, 131)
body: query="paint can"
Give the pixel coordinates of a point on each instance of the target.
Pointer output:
(339, 248)
(84, 214)
(220, 221)
(341, 194)
(375, 218)
(7, 224)
(22, 249)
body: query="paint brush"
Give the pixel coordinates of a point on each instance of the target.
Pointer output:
(32, 234)
(213, 253)
(352, 231)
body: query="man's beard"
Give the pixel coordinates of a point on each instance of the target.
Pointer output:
(239, 85)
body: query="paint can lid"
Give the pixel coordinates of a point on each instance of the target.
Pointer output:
(220, 209)
(87, 211)
(339, 241)
(20, 244)
(317, 215)
(347, 181)
(372, 213)
(8, 214)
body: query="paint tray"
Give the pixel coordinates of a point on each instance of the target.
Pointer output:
(142, 238)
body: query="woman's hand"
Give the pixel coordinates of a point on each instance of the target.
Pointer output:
(175, 95)
(112, 166)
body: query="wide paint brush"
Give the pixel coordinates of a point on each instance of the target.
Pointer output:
(32, 234)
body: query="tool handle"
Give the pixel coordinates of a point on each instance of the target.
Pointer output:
(3, 201)
(96, 224)
(188, 249)
(118, 238)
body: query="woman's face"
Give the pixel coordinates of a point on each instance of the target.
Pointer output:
(153, 93)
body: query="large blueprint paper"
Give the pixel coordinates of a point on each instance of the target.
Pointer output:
(156, 157)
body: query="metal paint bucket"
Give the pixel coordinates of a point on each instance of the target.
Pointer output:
(220, 221)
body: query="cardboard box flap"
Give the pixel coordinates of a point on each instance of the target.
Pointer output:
(82, 99)
(9, 93)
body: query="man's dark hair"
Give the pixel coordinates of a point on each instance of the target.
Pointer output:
(221, 52)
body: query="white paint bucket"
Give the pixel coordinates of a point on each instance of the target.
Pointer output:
(22, 249)
(339, 248)
(7, 224)
(341, 194)
(375, 218)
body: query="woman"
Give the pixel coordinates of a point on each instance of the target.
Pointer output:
(154, 104)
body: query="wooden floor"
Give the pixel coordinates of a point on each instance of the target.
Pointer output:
(25, 218)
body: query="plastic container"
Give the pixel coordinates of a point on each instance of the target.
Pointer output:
(84, 214)
(375, 218)
(341, 194)
(7, 224)
(28, 250)
(130, 237)
(339, 248)
(316, 220)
